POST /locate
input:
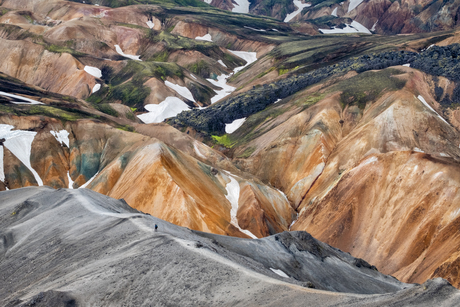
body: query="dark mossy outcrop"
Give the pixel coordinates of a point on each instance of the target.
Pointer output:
(214, 118)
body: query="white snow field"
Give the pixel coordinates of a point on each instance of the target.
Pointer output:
(129, 56)
(222, 63)
(181, 90)
(354, 27)
(96, 87)
(233, 196)
(353, 4)
(62, 136)
(206, 37)
(19, 142)
(300, 6)
(29, 101)
(150, 24)
(233, 126)
(93, 71)
(241, 6)
(170, 107)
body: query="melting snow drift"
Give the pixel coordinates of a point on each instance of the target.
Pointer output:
(29, 101)
(233, 126)
(206, 37)
(62, 137)
(241, 6)
(429, 107)
(19, 142)
(279, 272)
(249, 57)
(233, 196)
(353, 4)
(96, 88)
(181, 90)
(354, 27)
(170, 107)
(132, 57)
(150, 24)
(93, 71)
(300, 6)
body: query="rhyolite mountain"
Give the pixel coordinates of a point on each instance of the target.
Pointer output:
(234, 125)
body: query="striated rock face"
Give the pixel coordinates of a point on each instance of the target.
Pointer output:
(54, 72)
(382, 176)
(150, 176)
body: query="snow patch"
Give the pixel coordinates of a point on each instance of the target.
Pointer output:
(353, 4)
(169, 107)
(222, 63)
(234, 125)
(129, 56)
(206, 37)
(61, 136)
(241, 6)
(300, 6)
(406, 65)
(279, 272)
(254, 29)
(334, 12)
(249, 57)
(278, 100)
(354, 27)
(442, 154)
(429, 107)
(93, 71)
(193, 76)
(417, 149)
(181, 90)
(222, 83)
(373, 27)
(295, 220)
(70, 180)
(89, 181)
(208, 1)
(31, 101)
(19, 142)
(233, 196)
(150, 24)
(96, 88)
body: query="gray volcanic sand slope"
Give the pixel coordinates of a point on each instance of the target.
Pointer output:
(77, 247)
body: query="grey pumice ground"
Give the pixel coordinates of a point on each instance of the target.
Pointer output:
(80, 248)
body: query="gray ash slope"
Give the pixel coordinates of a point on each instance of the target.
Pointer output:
(79, 248)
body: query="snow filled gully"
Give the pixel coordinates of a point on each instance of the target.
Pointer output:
(233, 196)
(19, 142)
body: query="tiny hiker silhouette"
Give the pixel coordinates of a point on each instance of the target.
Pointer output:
(156, 227)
